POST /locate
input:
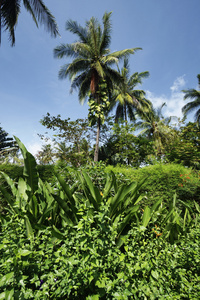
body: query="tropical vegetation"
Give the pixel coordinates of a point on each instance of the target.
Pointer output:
(102, 216)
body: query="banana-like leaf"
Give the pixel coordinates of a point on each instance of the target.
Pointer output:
(120, 197)
(92, 188)
(56, 233)
(126, 221)
(69, 214)
(30, 166)
(11, 183)
(29, 229)
(90, 191)
(68, 193)
(9, 200)
(146, 216)
(110, 182)
(197, 206)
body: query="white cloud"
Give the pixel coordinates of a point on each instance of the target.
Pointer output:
(174, 102)
(178, 84)
(34, 147)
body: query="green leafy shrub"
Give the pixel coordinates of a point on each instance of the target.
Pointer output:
(163, 181)
(87, 264)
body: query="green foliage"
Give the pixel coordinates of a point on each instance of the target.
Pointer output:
(124, 148)
(184, 148)
(99, 104)
(163, 181)
(88, 265)
(71, 138)
(92, 243)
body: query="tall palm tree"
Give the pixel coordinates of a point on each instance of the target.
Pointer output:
(92, 61)
(155, 126)
(10, 10)
(193, 105)
(126, 97)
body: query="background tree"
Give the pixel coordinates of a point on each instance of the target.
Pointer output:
(184, 148)
(127, 99)
(92, 60)
(124, 147)
(72, 139)
(156, 127)
(7, 144)
(46, 155)
(10, 10)
(193, 105)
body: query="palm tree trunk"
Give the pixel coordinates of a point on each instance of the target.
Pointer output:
(96, 152)
(125, 115)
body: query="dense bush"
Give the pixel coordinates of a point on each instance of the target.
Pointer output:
(163, 180)
(60, 242)
(89, 265)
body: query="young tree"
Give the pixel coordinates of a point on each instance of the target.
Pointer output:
(72, 138)
(92, 60)
(193, 105)
(156, 127)
(10, 10)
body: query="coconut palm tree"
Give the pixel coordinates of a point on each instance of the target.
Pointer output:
(155, 126)
(127, 99)
(10, 10)
(193, 105)
(92, 60)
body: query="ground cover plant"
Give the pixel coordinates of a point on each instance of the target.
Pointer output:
(95, 242)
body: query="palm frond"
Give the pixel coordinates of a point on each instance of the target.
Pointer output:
(124, 53)
(191, 106)
(77, 29)
(9, 14)
(191, 93)
(106, 35)
(43, 15)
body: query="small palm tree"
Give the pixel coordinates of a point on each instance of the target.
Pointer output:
(10, 10)
(193, 105)
(92, 61)
(126, 97)
(155, 126)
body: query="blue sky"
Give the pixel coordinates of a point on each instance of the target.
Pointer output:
(167, 31)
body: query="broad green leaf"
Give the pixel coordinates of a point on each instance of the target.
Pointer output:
(56, 233)
(29, 229)
(93, 190)
(24, 252)
(146, 216)
(30, 166)
(10, 183)
(2, 296)
(109, 183)
(155, 274)
(9, 199)
(6, 278)
(67, 191)
(9, 294)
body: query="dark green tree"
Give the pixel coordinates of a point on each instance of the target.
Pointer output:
(193, 105)
(184, 148)
(92, 60)
(7, 144)
(127, 99)
(124, 147)
(10, 10)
